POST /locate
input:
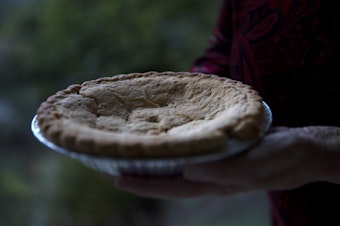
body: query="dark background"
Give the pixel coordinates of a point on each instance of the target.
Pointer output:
(46, 45)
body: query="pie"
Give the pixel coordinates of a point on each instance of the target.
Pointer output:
(151, 115)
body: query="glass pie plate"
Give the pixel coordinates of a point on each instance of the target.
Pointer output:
(153, 166)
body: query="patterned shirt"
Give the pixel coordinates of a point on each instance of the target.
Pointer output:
(288, 51)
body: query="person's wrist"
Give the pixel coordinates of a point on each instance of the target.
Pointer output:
(325, 145)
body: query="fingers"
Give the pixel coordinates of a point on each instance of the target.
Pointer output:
(168, 187)
(206, 172)
(240, 168)
(234, 171)
(273, 163)
(251, 166)
(248, 169)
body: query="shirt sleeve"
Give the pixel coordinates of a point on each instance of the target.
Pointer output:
(216, 58)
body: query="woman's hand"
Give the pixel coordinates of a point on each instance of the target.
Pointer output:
(285, 158)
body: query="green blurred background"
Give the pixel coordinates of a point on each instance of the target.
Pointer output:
(46, 45)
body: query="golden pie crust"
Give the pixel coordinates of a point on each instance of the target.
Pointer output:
(151, 115)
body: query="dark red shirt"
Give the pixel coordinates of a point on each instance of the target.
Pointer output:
(288, 51)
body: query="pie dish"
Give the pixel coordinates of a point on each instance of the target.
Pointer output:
(114, 166)
(151, 115)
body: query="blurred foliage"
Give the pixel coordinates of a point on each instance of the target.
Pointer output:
(86, 198)
(51, 44)
(46, 45)
(59, 42)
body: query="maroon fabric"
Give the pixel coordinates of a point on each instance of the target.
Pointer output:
(288, 51)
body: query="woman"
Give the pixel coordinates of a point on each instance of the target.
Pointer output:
(289, 52)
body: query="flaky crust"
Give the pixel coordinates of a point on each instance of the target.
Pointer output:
(151, 115)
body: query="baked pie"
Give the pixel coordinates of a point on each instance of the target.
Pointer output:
(151, 115)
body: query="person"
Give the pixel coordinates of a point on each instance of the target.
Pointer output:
(289, 51)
